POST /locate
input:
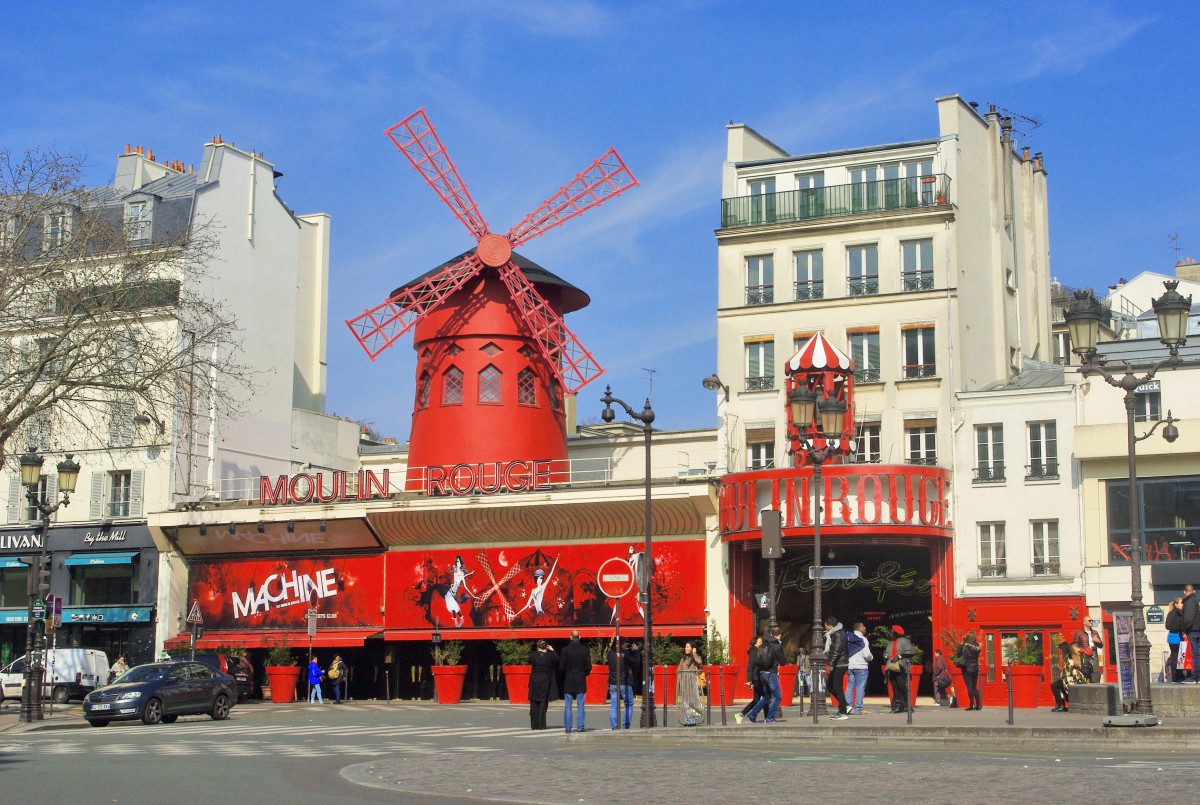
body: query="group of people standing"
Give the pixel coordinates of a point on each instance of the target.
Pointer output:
(1183, 638)
(335, 673)
(547, 668)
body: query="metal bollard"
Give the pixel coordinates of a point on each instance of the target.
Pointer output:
(721, 687)
(908, 694)
(1011, 712)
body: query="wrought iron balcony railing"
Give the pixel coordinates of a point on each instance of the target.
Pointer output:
(989, 474)
(916, 282)
(1047, 568)
(919, 370)
(766, 383)
(759, 295)
(993, 571)
(1042, 472)
(808, 291)
(858, 286)
(924, 461)
(866, 375)
(826, 202)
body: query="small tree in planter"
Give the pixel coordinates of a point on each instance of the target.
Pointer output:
(1025, 660)
(514, 656)
(282, 672)
(448, 675)
(597, 680)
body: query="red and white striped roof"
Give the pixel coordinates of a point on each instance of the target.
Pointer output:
(818, 353)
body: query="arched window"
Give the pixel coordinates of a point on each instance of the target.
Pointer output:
(526, 388)
(489, 386)
(423, 390)
(452, 386)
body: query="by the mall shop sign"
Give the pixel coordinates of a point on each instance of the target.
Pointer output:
(855, 495)
(458, 479)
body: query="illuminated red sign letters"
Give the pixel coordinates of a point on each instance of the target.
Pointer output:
(305, 488)
(487, 479)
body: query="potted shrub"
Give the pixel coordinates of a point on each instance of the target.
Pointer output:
(722, 675)
(881, 640)
(788, 673)
(448, 675)
(514, 656)
(951, 639)
(666, 655)
(1024, 662)
(597, 681)
(283, 674)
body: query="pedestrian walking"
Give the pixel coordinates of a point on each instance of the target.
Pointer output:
(839, 661)
(543, 683)
(620, 688)
(1175, 636)
(575, 662)
(1191, 627)
(336, 672)
(941, 679)
(690, 682)
(752, 680)
(633, 656)
(967, 659)
(895, 668)
(1070, 672)
(314, 681)
(767, 659)
(858, 666)
(1090, 646)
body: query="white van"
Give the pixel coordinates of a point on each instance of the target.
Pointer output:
(71, 673)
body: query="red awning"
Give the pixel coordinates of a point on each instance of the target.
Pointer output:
(178, 641)
(632, 631)
(296, 639)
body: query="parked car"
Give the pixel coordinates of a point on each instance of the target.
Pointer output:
(70, 673)
(239, 668)
(162, 691)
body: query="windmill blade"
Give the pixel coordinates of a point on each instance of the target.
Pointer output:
(605, 178)
(571, 362)
(416, 138)
(381, 326)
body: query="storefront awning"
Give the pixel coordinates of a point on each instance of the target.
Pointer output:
(628, 632)
(106, 558)
(298, 640)
(7, 562)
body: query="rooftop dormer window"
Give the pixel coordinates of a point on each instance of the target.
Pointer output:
(138, 220)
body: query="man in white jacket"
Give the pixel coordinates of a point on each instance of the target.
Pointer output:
(860, 658)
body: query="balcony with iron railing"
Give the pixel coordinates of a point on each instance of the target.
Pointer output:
(860, 198)
(916, 281)
(809, 291)
(862, 286)
(1048, 567)
(989, 474)
(759, 295)
(922, 461)
(866, 375)
(919, 371)
(763, 383)
(993, 571)
(1042, 472)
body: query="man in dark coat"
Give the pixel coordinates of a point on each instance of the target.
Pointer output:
(543, 683)
(633, 656)
(574, 662)
(1088, 641)
(839, 662)
(619, 687)
(1191, 628)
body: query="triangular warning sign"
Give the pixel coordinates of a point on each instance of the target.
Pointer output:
(194, 615)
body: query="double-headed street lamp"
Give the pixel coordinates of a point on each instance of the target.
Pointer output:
(645, 569)
(1083, 321)
(39, 574)
(818, 415)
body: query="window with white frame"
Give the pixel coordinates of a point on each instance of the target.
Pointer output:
(993, 561)
(810, 275)
(117, 494)
(137, 220)
(120, 489)
(916, 264)
(56, 227)
(45, 494)
(864, 351)
(120, 423)
(989, 453)
(760, 448)
(921, 437)
(869, 443)
(1043, 450)
(8, 232)
(1147, 401)
(862, 270)
(1045, 547)
(762, 201)
(920, 358)
(810, 194)
(760, 279)
(760, 364)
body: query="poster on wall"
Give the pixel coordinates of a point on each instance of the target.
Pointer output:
(1123, 629)
(275, 593)
(539, 586)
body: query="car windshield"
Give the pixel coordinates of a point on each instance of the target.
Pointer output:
(142, 673)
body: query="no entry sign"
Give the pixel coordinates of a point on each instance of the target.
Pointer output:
(615, 577)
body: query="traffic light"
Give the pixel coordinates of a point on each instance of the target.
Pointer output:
(772, 535)
(39, 575)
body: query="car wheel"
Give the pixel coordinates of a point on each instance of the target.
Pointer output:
(98, 722)
(59, 695)
(153, 712)
(220, 710)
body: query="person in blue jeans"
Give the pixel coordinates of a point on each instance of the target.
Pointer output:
(860, 663)
(314, 680)
(766, 663)
(574, 662)
(619, 669)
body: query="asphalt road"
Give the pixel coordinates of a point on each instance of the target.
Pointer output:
(376, 752)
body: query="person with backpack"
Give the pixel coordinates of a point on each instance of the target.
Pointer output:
(767, 659)
(337, 677)
(838, 662)
(859, 666)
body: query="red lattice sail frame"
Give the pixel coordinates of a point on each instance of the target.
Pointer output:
(605, 178)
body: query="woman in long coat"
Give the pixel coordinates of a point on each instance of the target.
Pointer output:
(543, 683)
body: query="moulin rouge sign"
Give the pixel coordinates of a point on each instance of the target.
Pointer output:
(460, 479)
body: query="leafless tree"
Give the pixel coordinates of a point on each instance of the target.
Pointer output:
(101, 323)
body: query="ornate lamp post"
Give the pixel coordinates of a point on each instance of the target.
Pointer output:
(645, 571)
(39, 575)
(1083, 321)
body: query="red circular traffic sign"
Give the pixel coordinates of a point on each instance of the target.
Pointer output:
(615, 577)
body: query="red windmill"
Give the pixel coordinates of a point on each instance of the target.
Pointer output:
(494, 354)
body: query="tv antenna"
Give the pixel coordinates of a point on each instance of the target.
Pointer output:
(1031, 122)
(650, 373)
(1174, 238)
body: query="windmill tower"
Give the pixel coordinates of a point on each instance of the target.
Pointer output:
(494, 356)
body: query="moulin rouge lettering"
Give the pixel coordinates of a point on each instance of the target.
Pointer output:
(487, 479)
(305, 488)
(284, 590)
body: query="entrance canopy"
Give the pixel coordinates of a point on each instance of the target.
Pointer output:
(325, 638)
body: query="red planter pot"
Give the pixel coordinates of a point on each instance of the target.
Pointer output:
(516, 679)
(722, 679)
(1027, 684)
(448, 682)
(283, 680)
(665, 681)
(787, 684)
(597, 685)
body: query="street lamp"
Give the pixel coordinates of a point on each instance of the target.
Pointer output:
(39, 574)
(1083, 322)
(646, 566)
(823, 413)
(714, 383)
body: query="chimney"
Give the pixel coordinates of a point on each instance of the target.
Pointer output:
(1188, 269)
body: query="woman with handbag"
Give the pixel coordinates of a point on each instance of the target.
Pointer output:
(895, 667)
(691, 684)
(1174, 624)
(1070, 672)
(967, 658)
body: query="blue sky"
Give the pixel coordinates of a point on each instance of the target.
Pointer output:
(526, 92)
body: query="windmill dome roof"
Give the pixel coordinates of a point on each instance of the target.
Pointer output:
(572, 298)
